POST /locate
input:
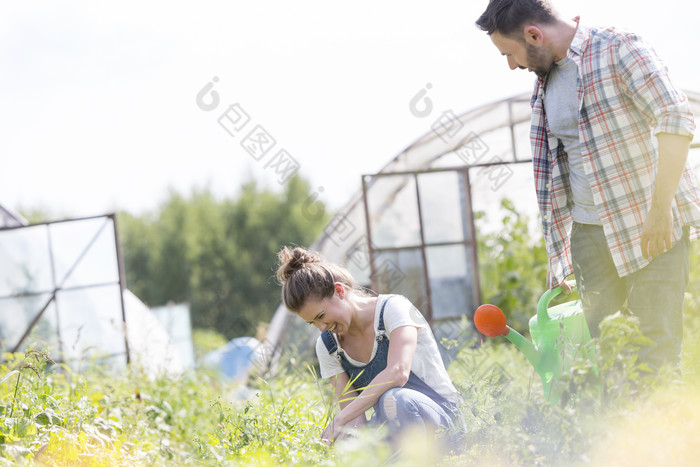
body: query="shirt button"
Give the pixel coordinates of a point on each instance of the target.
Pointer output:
(548, 186)
(546, 217)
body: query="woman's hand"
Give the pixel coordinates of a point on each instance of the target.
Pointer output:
(337, 430)
(332, 432)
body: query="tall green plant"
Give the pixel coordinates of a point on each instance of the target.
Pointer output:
(512, 265)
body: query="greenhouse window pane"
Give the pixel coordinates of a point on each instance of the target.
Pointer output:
(401, 272)
(25, 265)
(444, 201)
(84, 252)
(393, 211)
(91, 322)
(17, 314)
(451, 272)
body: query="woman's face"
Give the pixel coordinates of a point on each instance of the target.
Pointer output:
(329, 313)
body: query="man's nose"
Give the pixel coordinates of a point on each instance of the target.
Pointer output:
(321, 326)
(512, 63)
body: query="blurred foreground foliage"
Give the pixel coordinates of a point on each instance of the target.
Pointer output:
(219, 255)
(619, 415)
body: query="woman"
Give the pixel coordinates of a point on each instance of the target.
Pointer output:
(378, 351)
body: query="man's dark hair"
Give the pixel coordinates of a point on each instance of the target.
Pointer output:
(507, 17)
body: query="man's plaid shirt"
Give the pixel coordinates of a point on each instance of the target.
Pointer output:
(625, 98)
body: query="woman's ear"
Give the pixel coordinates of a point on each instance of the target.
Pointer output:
(340, 290)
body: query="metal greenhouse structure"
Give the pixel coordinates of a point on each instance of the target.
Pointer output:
(410, 229)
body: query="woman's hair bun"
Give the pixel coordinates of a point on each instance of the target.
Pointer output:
(305, 274)
(291, 260)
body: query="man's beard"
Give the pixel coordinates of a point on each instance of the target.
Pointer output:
(539, 60)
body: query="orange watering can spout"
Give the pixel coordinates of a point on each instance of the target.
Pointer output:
(491, 321)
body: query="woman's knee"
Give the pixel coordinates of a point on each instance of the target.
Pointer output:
(404, 406)
(386, 407)
(399, 405)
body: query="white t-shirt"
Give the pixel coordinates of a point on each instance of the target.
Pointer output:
(427, 363)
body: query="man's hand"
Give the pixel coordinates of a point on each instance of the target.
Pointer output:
(658, 226)
(565, 288)
(656, 232)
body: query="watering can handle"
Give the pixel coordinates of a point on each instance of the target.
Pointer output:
(548, 296)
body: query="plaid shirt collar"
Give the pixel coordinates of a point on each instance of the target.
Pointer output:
(578, 46)
(580, 42)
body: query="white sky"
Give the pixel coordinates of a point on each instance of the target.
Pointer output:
(97, 99)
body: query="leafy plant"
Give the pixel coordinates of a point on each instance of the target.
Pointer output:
(512, 266)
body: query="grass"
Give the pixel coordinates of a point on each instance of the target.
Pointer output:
(618, 416)
(51, 416)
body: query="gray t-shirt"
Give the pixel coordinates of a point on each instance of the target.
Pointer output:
(561, 108)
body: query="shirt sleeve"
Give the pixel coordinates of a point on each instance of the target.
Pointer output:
(399, 312)
(645, 79)
(330, 366)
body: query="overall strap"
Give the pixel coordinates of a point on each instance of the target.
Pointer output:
(329, 342)
(380, 327)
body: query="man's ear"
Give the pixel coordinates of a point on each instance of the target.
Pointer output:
(533, 34)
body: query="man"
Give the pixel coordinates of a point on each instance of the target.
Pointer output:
(616, 211)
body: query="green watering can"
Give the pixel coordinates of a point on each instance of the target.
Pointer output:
(558, 333)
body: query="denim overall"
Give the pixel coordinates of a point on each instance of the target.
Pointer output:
(361, 376)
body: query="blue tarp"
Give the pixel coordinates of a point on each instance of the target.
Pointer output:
(237, 359)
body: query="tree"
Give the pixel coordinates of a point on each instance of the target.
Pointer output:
(219, 256)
